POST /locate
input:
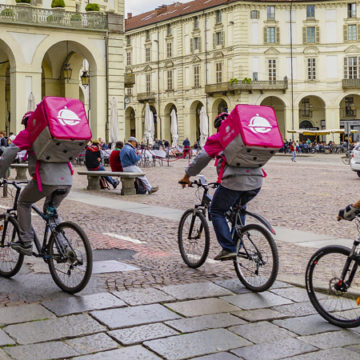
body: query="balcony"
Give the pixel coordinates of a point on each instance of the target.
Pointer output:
(129, 80)
(305, 113)
(348, 113)
(351, 83)
(146, 97)
(28, 15)
(254, 85)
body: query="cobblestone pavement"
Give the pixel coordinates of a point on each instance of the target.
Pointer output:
(203, 321)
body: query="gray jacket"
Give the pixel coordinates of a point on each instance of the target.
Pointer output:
(50, 173)
(239, 179)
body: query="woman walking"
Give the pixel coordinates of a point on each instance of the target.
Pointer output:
(293, 149)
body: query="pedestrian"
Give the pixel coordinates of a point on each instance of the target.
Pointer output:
(293, 149)
(187, 148)
(114, 159)
(129, 159)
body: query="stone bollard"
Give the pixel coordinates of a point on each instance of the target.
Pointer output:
(93, 182)
(128, 187)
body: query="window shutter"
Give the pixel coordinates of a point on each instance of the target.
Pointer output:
(191, 45)
(214, 40)
(345, 33)
(304, 35)
(358, 32)
(199, 43)
(317, 34)
(265, 33)
(257, 14)
(223, 38)
(277, 40)
(345, 67)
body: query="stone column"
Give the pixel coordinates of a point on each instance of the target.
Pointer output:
(332, 121)
(3, 112)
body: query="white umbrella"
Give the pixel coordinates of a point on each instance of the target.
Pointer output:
(114, 122)
(148, 125)
(31, 102)
(174, 129)
(204, 126)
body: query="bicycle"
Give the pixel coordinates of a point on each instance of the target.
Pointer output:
(331, 284)
(347, 157)
(257, 260)
(65, 246)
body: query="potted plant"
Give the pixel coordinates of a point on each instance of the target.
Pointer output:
(92, 7)
(23, 2)
(233, 81)
(76, 19)
(246, 80)
(58, 4)
(8, 13)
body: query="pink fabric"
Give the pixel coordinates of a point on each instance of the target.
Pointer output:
(213, 145)
(23, 140)
(71, 168)
(37, 175)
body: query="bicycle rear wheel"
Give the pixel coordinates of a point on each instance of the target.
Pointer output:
(193, 238)
(71, 266)
(10, 260)
(257, 260)
(335, 304)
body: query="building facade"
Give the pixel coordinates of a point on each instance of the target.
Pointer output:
(63, 52)
(302, 58)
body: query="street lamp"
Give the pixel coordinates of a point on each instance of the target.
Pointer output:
(85, 79)
(292, 72)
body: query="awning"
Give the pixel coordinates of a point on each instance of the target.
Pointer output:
(320, 132)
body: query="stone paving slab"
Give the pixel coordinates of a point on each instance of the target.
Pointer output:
(195, 344)
(256, 301)
(297, 295)
(218, 356)
(205, 322)
(53, 329)
(235, 286)
(262, 332)
(195, 291)
(78, 304)
(139, 334)
(306, 325)
(131, 316)
(5, 339)
(259, 314)
(296, 309)
(43, 351)
(23, 313)
(202, 307)
(330, 354)
(332, 339)
(129, 353)
(143, 296)
(92, 343)
(277, 350)
(111, 266)
(3, 355)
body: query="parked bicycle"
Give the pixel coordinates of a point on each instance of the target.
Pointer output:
(65, 246)
(257, 260)
(333, 284)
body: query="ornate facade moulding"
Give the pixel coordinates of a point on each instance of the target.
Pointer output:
(311, 50)
(272, 51)
(353, 49)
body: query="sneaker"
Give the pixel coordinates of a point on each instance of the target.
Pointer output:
(154, 189)
(225, 255)
(24, 248)
(116, 183)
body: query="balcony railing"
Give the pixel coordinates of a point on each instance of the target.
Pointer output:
(351, 83)
(146, 96)
(129, 80)
(306, 113)
(254, 85)
(348, 113)
(25, 14)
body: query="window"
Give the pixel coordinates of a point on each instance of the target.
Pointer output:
(270, 10)
(270, 34)
(196, 23)
(352, 32)
(218, 17)
(128, 41)
(310, 34)
(219, 72)
(169, 49)
(147, 54)
(352, 10)
(305, 108)
(128, 91)
(147, 35)
(310, 11)
(128, 58)
(272, 70)
(311, 68)
(350, 106)
(168, 30)
(254, 14)
(218, 39)
(351, 67)
(170, 80)
(196, 43)
(197, 76)
(148, 83)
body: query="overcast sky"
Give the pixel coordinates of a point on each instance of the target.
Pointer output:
(140, 6)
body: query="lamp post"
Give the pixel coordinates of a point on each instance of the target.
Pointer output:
(67, 70)
(158, 85)
(292, 73)
(85, 82)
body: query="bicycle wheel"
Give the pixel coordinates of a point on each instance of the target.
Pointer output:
(70, 269)
(323, 278)
(257, 260)
(10, 260)
(193, 238)
(345, 160)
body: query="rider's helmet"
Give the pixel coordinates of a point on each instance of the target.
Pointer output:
(218, 120)
(26, 118)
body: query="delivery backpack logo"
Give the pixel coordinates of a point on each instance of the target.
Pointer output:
(260, 125)
(68, 117)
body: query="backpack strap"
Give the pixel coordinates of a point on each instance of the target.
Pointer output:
(222, 168)
(71, 168)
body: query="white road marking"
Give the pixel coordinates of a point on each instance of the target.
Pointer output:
(125, 238)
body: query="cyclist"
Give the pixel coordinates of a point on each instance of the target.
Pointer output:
(350, 212)
(237, 185)
(54, 176)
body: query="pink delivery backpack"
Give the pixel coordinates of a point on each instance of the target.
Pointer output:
(59, 129)
(250, 136)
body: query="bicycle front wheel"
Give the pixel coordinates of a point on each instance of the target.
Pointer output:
(335, 302)
(10, 260)
(257, 259)
(70, 262)
(193, 238)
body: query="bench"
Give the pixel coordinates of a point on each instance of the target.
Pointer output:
(20, 171)
(127, 179)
